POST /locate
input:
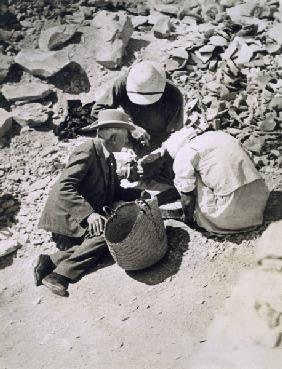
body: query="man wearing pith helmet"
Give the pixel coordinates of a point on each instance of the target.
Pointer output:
(153, 103)
(74, 208)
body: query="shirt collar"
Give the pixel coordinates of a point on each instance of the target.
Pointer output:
(105, 151)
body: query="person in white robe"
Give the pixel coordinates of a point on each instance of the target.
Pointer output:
(220, 188)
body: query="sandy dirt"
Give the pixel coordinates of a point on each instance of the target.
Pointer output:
(112, 319)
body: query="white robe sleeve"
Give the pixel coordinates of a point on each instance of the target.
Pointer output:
(184, 169)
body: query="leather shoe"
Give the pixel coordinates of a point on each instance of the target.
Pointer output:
(44, 266)
(57, 283)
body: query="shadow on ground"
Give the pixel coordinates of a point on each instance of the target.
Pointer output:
(178, 241)
(273, 210)
(134, 45)
(7, 260)
(72, 79)
(9, 206)
(6, 140)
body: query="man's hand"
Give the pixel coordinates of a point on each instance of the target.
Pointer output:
(96, 224)
(153, 156)
(146, 195)
(140, 134)
(188, 206)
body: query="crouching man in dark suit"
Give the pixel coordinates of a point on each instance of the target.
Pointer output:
(74, 209)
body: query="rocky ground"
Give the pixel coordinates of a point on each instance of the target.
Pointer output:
(226, 58)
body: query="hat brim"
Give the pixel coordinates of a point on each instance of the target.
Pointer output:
(108, 124)
(143, 99)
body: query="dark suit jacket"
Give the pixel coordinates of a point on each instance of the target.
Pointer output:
(80, 191)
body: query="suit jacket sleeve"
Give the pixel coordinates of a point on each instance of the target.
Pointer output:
(78, 166)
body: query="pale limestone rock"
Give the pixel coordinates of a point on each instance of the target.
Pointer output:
(5, 122)
(32, 115)
(5, 64)
(8, 247)
(42, 63)
(162, 28)
(26, 91)
(54, 37)
(111, 34)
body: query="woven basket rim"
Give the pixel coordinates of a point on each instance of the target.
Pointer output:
(152, 201)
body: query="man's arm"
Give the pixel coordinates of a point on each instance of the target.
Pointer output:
(188, 206)
(175, 118)
(75, 171)
(110, 96)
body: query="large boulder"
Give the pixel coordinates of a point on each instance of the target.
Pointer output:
(42, 63)
(111, 34)
(26, 91)
(55, 37)
(5, 122)
(5, 64)
(32, 115)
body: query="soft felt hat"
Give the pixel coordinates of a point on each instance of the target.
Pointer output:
(146, 83)
(110, 118)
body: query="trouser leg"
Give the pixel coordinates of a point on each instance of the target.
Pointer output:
(74, 262)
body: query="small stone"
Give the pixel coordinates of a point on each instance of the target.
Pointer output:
(5, 64)
(8, 247)
(162, 28)
(179, 52)
(54, 37)
(254, 144)
(40, 184)
(167, 9)
(138, 21)
(267, 124)
(38, 301)
(233, 131)
(276, 33)
(276, 103)
(26, 24)
(237, 13)
(5, 122)
(218, 41)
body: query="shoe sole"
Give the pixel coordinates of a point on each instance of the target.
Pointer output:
(37, 280)
(56, 290)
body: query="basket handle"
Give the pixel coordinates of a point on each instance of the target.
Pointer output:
(108, 211)
(138, 203)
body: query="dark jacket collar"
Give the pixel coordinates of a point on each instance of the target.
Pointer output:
(99, 149)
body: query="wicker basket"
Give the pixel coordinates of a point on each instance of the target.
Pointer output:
(135, 234)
